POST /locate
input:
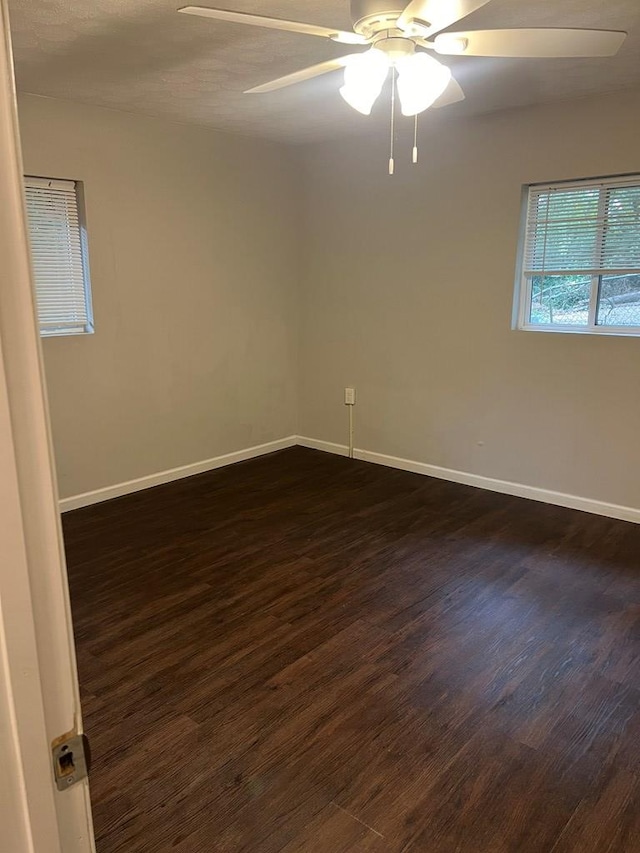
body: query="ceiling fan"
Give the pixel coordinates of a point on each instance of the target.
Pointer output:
(401, 40)
(394, 34)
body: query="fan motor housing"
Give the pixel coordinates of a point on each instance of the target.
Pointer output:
(370, 17)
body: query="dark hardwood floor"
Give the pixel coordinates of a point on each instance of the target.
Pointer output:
(305, 653)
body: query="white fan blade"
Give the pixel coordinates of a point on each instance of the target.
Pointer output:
(427, 17)
(531, 43)
(274, 24)
(300, 76)
(451, 95)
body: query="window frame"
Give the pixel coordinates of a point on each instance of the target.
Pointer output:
(89, 326)
(524, 284)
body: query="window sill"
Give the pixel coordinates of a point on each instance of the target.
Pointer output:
(608, 331)
(66, 333)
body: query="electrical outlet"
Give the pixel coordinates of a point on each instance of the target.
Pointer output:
(349, 396)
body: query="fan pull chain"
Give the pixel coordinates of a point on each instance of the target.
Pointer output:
(415, 141)
(392, 164)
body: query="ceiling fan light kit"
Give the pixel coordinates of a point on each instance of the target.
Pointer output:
(364, 78)
(421, 81)
(398, 40)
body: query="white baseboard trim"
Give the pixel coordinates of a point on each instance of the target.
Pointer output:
(624, 513)
(534, 493)
(327, 446)
(162, 477)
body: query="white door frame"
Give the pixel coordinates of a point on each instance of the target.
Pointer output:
(39, 698)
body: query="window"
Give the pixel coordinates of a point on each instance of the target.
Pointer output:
(59, 256)
(580, 257)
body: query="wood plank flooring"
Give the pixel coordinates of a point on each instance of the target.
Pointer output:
(307, 653)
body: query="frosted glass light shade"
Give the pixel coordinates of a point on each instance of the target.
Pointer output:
(421, 81)
(364, 78)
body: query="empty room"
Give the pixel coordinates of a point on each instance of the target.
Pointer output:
(319, 426)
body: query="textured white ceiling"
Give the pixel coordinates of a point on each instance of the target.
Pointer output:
(141, 56)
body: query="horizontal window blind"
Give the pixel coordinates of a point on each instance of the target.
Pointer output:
(58, 257)
(589, 228)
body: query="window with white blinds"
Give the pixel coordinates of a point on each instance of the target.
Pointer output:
(59, 256)
(580, 257)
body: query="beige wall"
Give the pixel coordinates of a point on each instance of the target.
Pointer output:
(199, 258)
(192, 241)
(408, 296)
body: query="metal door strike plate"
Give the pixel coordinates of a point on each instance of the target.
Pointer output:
(71, 759)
